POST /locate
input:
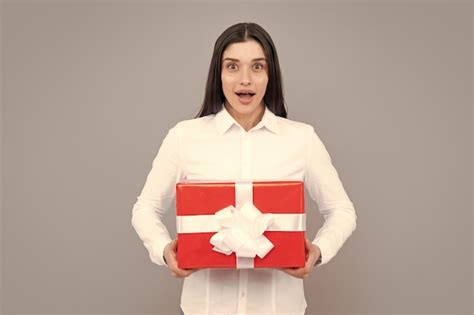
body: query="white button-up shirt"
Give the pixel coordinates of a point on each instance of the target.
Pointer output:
(217, 147)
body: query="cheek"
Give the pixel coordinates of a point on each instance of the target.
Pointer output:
(262, 83)
(227, 82)
(228, 86)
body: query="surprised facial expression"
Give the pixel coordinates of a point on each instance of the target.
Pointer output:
(244, 76)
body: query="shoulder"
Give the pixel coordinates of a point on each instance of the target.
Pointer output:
(193, 123)
(293, 127)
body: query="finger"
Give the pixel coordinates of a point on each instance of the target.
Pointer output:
(173, 255)
(313, 256)
(174, 245)
(185, 273)
(176, 272)
(173, 265)
(189, 271)
(306, 247)
(300, 272)
(173, 248)
(173, 262)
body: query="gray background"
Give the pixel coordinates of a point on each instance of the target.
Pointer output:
(90, 88)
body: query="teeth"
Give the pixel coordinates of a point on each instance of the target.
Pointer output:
(245, 95)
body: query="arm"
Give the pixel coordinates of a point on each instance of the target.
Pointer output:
(156, 196)
(326, 189)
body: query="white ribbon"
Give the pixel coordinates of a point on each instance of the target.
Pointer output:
(241, 231)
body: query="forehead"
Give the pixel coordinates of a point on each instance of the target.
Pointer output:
(245, 51)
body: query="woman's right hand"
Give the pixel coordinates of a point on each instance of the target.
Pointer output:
(169, 254)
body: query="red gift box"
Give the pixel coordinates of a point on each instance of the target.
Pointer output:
(204, 209)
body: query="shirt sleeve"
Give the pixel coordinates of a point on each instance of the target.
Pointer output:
(326, 189)
(156, 197)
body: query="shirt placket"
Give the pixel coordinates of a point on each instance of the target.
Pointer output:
(246, 168)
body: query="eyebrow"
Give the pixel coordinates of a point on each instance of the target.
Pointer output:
(255, 59)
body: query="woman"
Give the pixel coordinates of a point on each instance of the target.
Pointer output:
(242, 132)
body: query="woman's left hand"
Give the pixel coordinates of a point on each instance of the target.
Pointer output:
(312, 255)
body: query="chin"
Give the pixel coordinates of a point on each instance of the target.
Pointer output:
(244, 109)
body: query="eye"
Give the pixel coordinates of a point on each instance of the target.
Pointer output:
(261, 65)
(231, 64)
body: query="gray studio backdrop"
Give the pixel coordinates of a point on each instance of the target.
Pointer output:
(90, 89)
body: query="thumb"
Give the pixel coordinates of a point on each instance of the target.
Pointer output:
(174, 245)
(308, 245)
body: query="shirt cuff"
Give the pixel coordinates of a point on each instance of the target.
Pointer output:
(324, 248)
(157, 255)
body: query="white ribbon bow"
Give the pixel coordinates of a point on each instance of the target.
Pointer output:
(241, 231)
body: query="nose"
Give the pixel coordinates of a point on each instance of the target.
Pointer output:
(245, 79)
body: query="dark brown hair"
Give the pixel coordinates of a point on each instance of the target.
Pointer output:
(237, 33)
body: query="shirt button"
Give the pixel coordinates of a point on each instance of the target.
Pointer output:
(242, 294)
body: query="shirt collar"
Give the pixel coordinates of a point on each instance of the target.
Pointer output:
(224, 120)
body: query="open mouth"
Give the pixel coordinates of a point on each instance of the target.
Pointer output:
(245, 95)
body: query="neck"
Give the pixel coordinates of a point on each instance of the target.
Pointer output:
(247, 121)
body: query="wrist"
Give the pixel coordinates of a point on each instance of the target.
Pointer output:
(320, 256)
(164, 258)
(318, 261)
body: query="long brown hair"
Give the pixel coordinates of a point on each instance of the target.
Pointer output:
(237, 33)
